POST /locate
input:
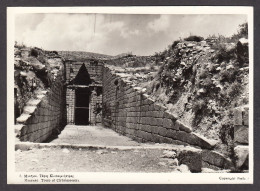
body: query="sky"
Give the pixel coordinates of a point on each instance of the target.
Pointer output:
(113, 34)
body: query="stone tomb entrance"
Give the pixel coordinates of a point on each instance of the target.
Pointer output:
(84, 92)
(82, 100)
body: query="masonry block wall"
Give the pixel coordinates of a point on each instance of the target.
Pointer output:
(70, 104)
(44, 115)
(241, 140)
(95, 70)
(130, 112)
(95, 101)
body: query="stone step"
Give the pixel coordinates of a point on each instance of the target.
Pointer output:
(23, 118)
(17, 129)
(29, 109)
(196, 159)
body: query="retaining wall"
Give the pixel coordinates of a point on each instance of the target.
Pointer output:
(44, 115)
(130, 112)
(241, 139)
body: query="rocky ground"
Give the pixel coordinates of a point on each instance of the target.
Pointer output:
(102, 160)
(97, 149)
(199, 82)
(34, 71)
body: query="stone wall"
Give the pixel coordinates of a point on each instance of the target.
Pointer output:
(241, 140)
(45, 114)
(96, 106)
(70, 101)
(130, 112)
(95, 70)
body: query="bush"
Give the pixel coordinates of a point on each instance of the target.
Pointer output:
(34, 52)
(242, 32)
(224, 53)
(228, 75)
(194, 38)
(175, 43)
(229, 94)
(199, 107)
(234, 90)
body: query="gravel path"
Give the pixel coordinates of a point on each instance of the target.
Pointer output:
(85, 160)
(93, 135)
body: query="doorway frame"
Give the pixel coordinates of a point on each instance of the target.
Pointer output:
(89, 104)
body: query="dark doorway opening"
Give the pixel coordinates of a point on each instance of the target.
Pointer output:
(82, 106)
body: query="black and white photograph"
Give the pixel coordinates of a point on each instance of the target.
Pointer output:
(130, 95)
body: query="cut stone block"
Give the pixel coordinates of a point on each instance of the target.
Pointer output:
(203, 142)
(167, 123)
(29, 109)
(241, 154)
(183, 127)
(246, 116)
(23, 131)
(192, 158)
(17, 129)
(33, 102)
(238, 118)
(168, 115)
(216, 159)
(241, 134)
(23, 118)
(162, 131)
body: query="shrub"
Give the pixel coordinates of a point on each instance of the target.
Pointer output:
(230, 93)
(224, 53)
(242, 32)
(34, 52)
(41, 59)
(175, 43)
(199, 107)
(234, 89)
(194, 38)
(228, 75)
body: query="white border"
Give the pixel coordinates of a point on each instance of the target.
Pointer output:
(128, 178)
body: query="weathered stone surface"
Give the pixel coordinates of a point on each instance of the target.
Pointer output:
(203, 142)
(241, 154)
(246, 116)
(216, 159)
(206, 165)
(192, 158)
(183, 127)
(238, 118)
(183, 168)
(152, 118)
(190, 45)
(168, 115)
(43, 114)
(29, 109)
(23, 118)
(33, 102)
(243, 41)
(162, 131)
(241, 134)
(167, 123)
(169, 154)
(17, 129)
